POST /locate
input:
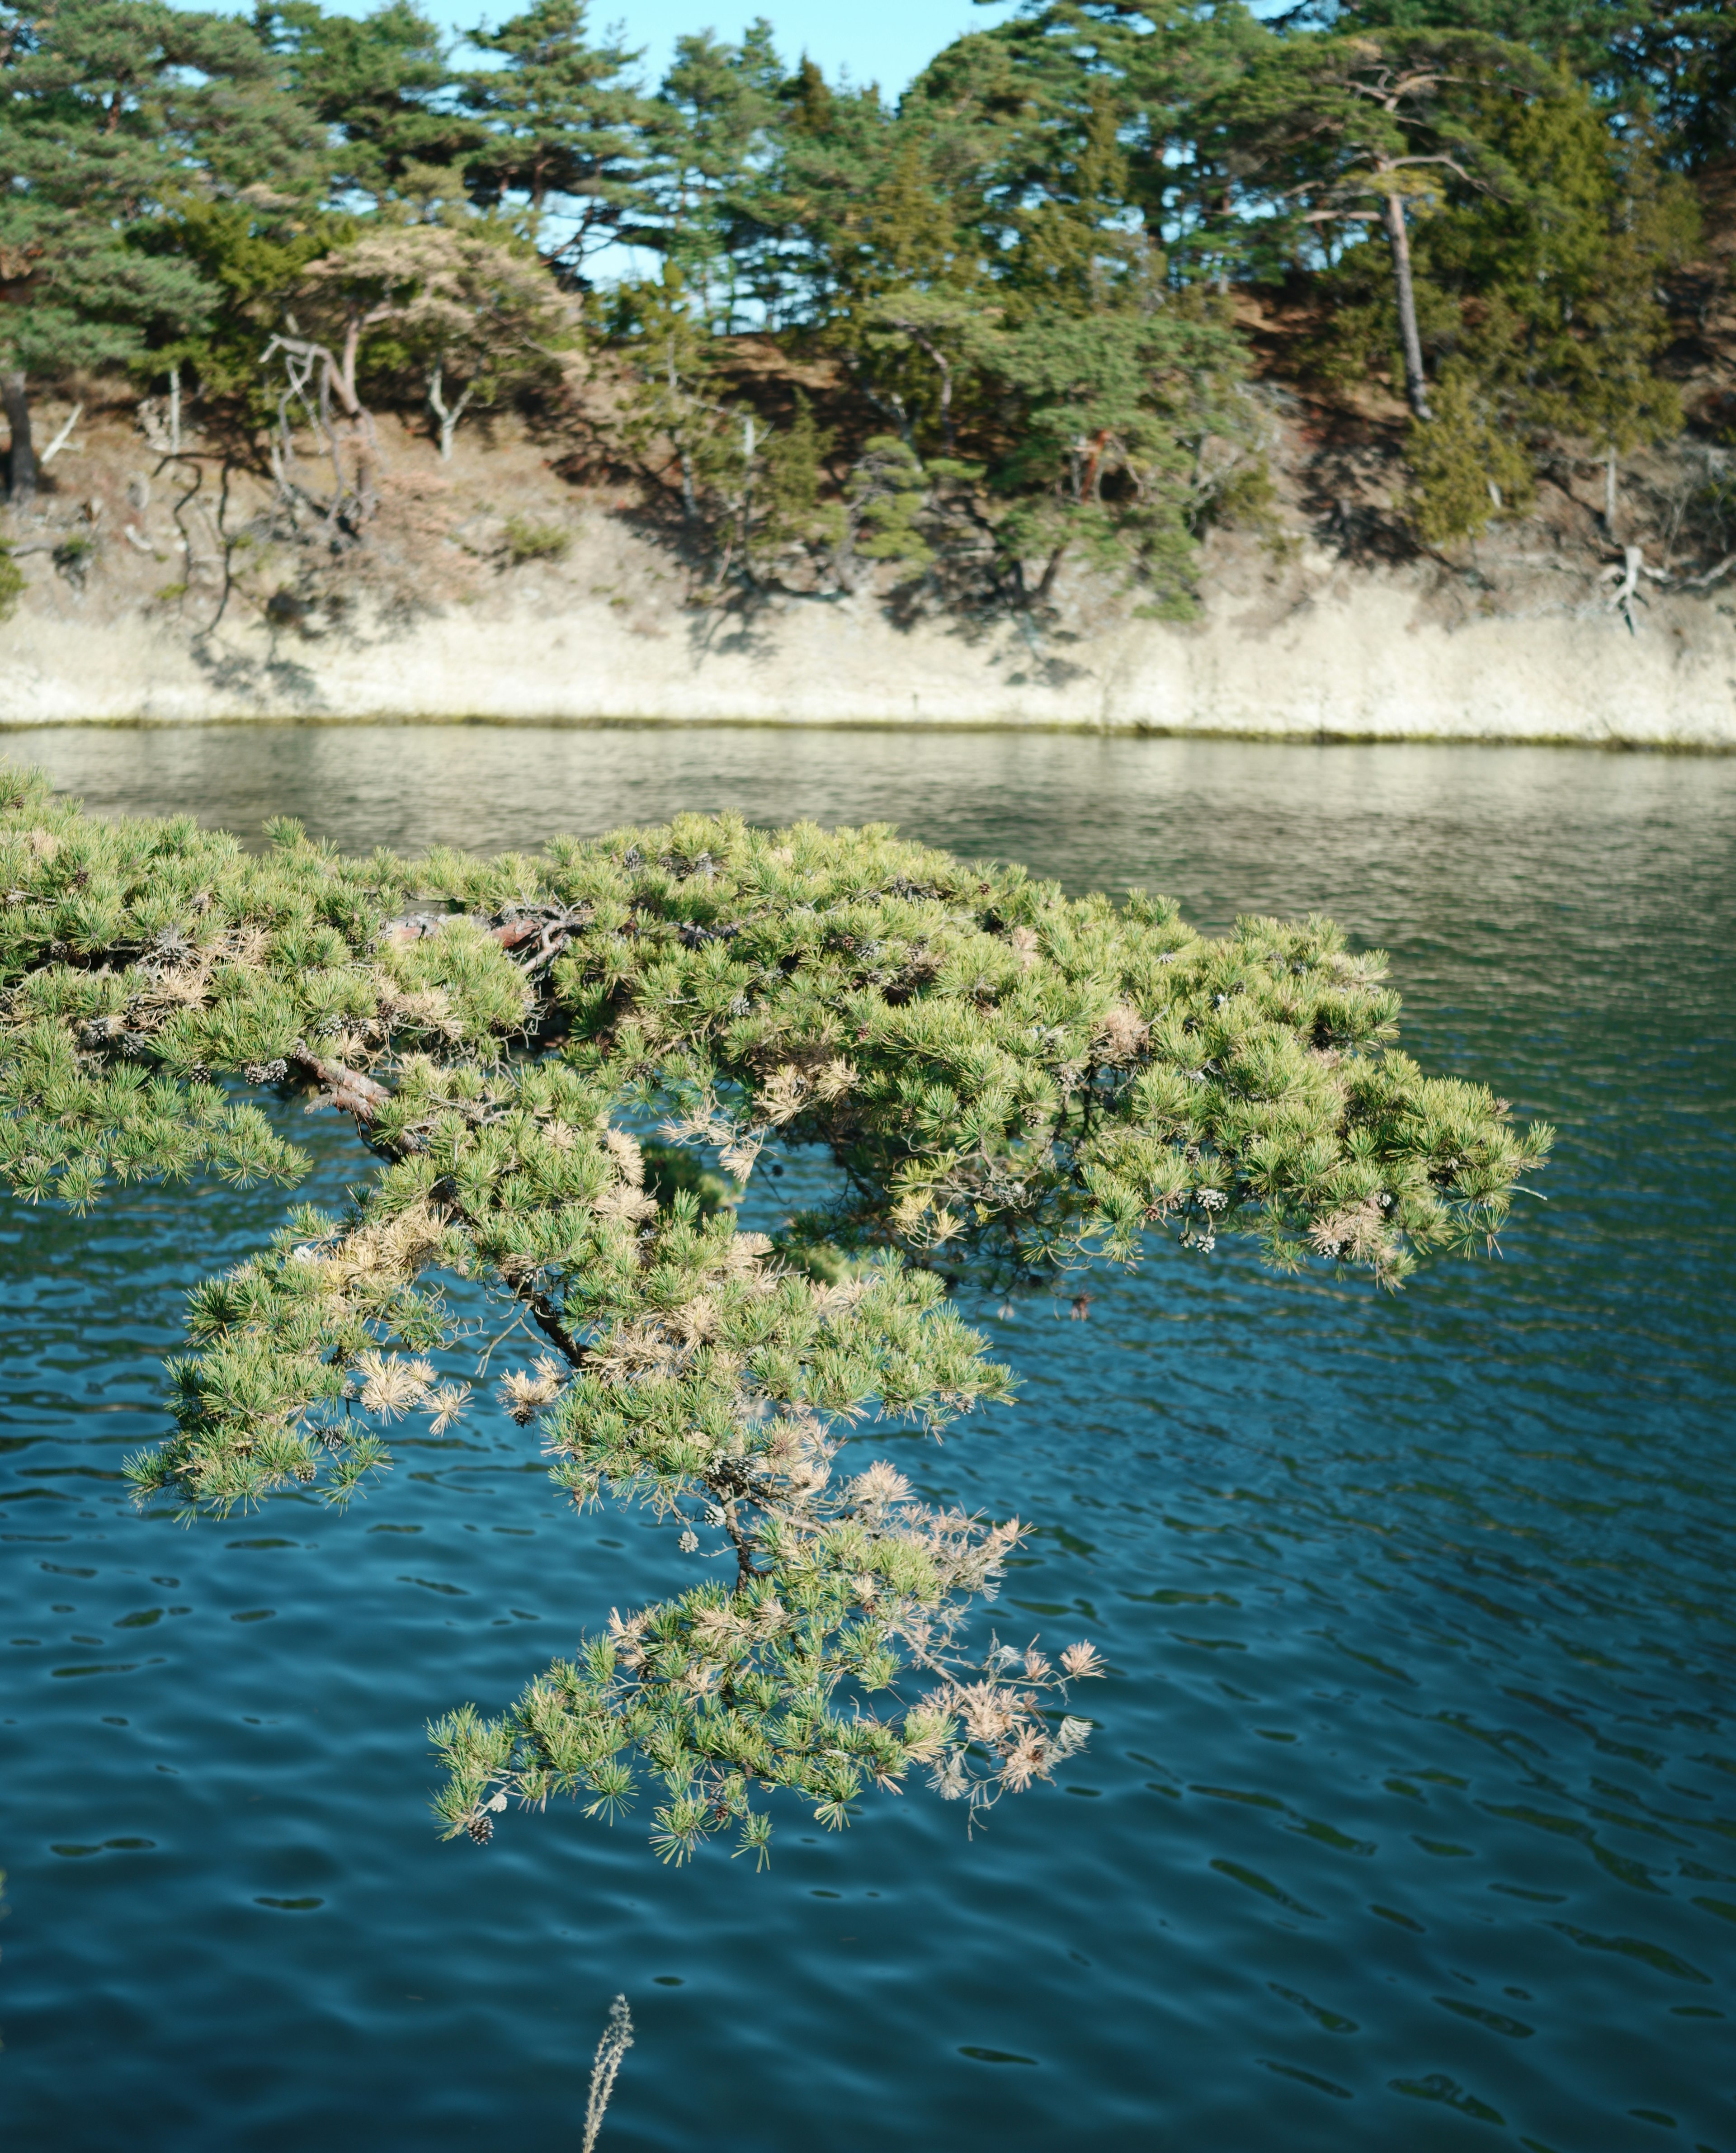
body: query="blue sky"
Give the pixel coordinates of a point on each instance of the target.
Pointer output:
(888, 43)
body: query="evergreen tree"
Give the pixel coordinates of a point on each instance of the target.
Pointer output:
(919, 349)
(674, 422)
(828, 151)
(1688, 53)
(1009, 112)
(1114, 405)
(749, 491)
(1075, 248)
(1672, 62)
(1335, 132)
(470, 312)
(563, 125)
(382, 83)
(1543, 295)
(1587, 34)
(1557, 286)
(250, 253)
(709, 143)
(910, 312)
(1011, 268)
(1467, 468)
(114, 114)
(787, 514)
(889, 496)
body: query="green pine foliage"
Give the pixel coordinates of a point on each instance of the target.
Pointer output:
(1117, 402)
(1536, 298)
(116, 114)
(380, 84)
(1468, 471)
(1674, 60)
(1006, 1078)
(1557, 285)
(889, 495)
(559, 120)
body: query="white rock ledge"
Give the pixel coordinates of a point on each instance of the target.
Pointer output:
(1356, 664)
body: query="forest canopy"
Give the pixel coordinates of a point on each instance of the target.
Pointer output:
(1030, 272)
(562, 1070)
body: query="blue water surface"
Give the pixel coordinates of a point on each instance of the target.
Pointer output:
(1410, 1816)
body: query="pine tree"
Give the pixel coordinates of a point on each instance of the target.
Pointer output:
(1545, 295)
(471, 312)
(671, 418)
(1559, 284)
(1007, 1078)
(789, 512)
(1076, 247)
(709, 144)
(563, 125)
(1011, 267)
(822, 155)
(381, 82)
(910, 309)
(1006, 114)
(252, 254)
(1672, 62)
(1114, 407)
(114, 114)
(1336, 132)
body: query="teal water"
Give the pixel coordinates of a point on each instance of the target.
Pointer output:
(1410, 1817)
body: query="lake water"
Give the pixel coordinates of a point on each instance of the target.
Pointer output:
(1410, 1817)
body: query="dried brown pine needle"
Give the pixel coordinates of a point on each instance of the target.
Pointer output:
(1026, 1081)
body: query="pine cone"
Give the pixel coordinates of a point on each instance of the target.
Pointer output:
(481, 1827)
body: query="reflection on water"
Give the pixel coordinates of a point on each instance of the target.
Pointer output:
(1411, 1816)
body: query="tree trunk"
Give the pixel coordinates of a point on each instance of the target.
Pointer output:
(346, 367)
(1609, 490)
(361, 424)
(935, 355)
(446, 419)
(175, 410)
(1416, 382)
(22, 472)
(750, 443)
(450, 414)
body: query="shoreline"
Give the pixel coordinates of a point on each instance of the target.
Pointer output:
(386, 721)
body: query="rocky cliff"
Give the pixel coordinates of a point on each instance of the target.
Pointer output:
(153, 597)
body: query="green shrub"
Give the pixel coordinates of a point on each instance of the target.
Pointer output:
(536, 541)
(1467, 470)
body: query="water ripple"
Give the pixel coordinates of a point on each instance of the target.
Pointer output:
(1410, 1815)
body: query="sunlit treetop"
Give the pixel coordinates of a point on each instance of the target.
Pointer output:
(566, 1066)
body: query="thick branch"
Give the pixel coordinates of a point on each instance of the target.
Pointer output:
(347, 1089)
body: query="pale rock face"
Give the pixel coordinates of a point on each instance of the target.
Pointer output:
(1356, 660)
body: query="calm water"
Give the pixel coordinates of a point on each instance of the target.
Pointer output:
(1411, 1817)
